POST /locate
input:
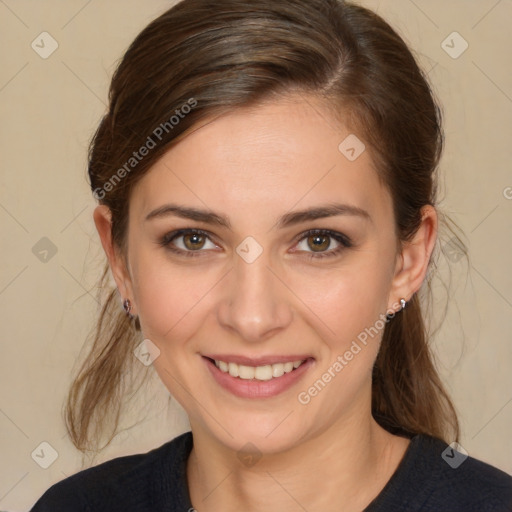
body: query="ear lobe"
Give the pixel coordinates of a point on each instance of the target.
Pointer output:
(102, 219)
(412, 263)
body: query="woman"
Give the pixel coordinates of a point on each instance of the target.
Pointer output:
(266, 180)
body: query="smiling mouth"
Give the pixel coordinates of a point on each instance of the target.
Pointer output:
(263, 373)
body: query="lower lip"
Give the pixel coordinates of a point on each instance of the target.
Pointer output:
(253, 388)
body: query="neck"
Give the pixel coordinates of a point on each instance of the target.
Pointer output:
(356, 458)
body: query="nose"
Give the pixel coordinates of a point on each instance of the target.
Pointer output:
(255, 304)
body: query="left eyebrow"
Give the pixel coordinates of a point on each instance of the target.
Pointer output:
(321, 212)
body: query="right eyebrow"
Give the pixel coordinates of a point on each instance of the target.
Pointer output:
(206, 216)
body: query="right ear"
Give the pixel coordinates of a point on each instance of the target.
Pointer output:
(103, 220)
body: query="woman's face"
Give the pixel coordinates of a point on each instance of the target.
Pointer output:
(257, 242)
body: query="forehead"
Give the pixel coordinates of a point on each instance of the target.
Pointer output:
(266, 159)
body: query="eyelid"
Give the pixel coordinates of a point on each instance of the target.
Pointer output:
(168, 237)
(340, 237)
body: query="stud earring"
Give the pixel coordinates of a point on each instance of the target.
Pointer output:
(403, 303)
(127, 306)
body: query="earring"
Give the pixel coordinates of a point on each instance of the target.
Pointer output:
(127, 305)
(403, 303)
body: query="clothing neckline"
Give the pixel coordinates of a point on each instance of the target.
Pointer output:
(392, 486)
(396, 480)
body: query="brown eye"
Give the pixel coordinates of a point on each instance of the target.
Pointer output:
(322, 243)
(188, 242)
(194, 241)
(318, 243)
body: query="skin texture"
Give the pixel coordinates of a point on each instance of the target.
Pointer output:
(252, 166)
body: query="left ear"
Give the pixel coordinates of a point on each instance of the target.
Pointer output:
(412, 262)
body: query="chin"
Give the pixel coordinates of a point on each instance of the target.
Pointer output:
(264, 432)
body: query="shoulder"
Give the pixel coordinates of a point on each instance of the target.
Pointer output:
(434, 477)
(140, 482)
(463, 474)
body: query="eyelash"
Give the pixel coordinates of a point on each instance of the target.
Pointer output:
(342, 239)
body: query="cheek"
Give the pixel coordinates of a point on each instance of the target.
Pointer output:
(170, 298)
(347, 300)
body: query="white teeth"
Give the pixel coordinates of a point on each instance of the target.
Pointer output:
(233, 369)
(265, 372)
(277, 370)
(245, 372)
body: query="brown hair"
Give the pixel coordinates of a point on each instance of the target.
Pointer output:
(216, 57)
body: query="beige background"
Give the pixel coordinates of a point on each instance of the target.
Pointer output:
(49, 109)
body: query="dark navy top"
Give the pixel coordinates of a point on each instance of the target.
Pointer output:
(430, 478)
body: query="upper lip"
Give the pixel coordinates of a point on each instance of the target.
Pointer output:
(256, 361)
